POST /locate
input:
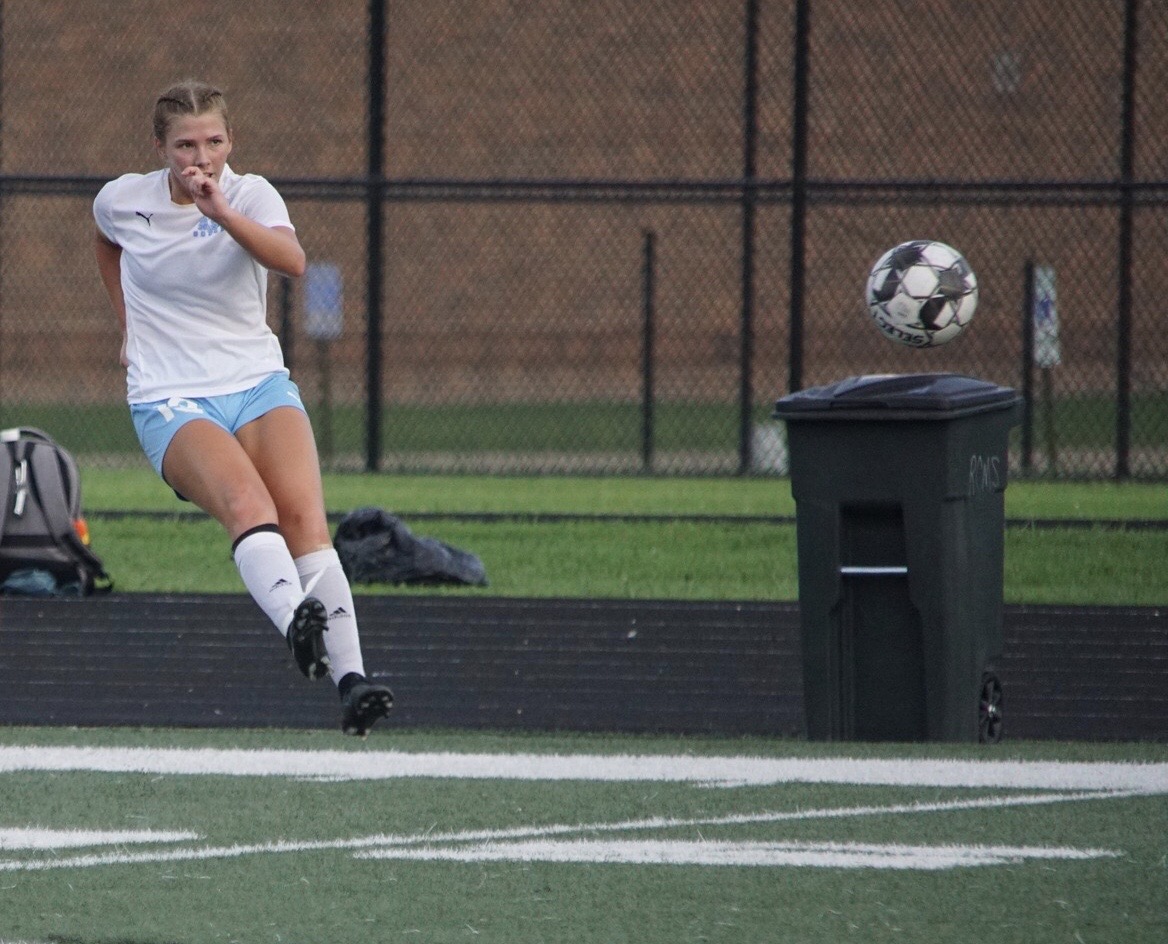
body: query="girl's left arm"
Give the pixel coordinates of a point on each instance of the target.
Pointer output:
(273, 247)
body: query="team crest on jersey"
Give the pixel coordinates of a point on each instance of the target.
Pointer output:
(207, 227)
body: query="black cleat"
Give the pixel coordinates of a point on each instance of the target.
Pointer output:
(363, 703)
(306, 638)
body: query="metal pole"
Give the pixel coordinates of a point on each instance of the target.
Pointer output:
(1027, 365)
(324, 368)
(648, 333)
(374, 247)
(1126, 226)
(799, 191)
(3, 200)
(749, 199)
(286, 325)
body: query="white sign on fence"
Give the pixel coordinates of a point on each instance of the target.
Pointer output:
(1047, 352)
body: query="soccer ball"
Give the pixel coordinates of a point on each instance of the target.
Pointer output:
(922, 293)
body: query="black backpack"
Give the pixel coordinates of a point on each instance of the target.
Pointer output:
(40, 489)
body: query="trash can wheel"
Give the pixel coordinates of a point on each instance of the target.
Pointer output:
(989, 712)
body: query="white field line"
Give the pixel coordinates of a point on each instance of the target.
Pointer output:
(717, 771)
(30, 838)
(722, 853)
(430, 838)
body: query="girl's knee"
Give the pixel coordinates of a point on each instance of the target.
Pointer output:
(244, 506)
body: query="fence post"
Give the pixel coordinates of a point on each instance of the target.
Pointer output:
(3, 192)
(799, 119)
(1123, 325)
(1027, 365)
(749, 199)
(648, 336)
(373, 233)
(287, 328)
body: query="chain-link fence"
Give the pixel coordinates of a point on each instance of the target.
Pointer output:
(604, 237)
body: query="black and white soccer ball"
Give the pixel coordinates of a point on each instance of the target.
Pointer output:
(922, 293)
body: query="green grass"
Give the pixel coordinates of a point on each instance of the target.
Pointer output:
(139, 489)
(575, 559)
(588, 427)
(1084, 421)
(671, 559)
(273, 859)
(1087, 421)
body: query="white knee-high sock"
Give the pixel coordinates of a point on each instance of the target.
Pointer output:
(269, 573)
(322, 576)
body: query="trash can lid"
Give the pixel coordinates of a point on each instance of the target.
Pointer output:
(895, 393)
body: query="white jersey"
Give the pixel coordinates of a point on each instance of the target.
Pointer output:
(196, 302)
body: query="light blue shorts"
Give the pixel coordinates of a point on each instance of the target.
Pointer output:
(157, 422)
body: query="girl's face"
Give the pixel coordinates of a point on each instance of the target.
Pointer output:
(201, 141)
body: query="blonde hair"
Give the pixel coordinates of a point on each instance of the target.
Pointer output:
(191, 97)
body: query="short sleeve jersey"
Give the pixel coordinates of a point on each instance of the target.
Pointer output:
(196, 301)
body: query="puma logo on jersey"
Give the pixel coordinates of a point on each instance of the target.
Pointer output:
(145, 216)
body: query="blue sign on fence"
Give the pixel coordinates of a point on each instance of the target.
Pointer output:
(323, 301)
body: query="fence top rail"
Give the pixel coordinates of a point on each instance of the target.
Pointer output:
(728, 190)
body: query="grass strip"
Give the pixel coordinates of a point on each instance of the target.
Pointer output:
(627, 558)
(681, 560)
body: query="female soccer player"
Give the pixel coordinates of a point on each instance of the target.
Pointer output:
(184, 254)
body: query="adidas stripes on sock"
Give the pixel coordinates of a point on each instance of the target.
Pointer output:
(322, 576)
(269, 573)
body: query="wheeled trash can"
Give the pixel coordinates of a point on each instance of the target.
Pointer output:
(899, 485)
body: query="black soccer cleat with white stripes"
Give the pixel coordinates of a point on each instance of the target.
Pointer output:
(306, 638)
(363, 703)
